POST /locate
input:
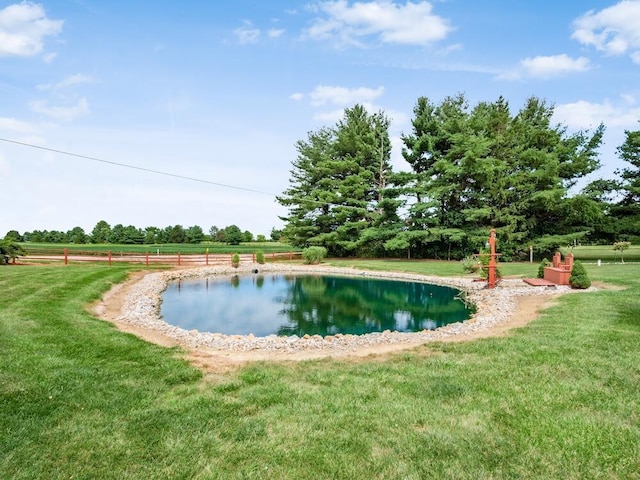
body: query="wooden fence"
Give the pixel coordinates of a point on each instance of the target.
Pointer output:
(148, 258)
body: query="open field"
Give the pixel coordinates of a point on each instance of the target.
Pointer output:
(167, 248)
(556, 399)
(606, 253)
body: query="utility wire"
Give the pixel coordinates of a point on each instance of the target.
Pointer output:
(134, 167)
(174, 175)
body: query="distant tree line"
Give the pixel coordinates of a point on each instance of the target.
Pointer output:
(119, 234)
(469, 170)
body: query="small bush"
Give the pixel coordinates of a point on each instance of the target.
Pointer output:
(579, 277)
(470, 264)
(313, 255)
(544, 263)
(235, 260)
(260, 258)
(484, 258)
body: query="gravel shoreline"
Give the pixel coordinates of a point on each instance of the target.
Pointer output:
(142, 301)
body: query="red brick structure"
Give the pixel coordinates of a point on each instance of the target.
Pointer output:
(559, 272)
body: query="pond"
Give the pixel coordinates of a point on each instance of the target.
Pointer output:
(286, 305)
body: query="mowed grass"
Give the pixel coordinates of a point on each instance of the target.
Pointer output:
(559, 398)
(606, 253)
(433, 267)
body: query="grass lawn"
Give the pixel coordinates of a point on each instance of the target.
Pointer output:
(606, 253)
(557, 399)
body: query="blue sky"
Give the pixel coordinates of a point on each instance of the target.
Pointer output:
(221, 92)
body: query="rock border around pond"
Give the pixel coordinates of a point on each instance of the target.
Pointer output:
(141, 307)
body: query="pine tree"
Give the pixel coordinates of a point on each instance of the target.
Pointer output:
(338, 183)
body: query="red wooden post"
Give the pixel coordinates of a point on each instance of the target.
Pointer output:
(290, 255)
(146, 259)
(109, 257)
(207, 257)
(492, 259)
(253, 258)
(178, 258)
(66, 256)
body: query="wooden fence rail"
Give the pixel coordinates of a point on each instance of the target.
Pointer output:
(150, 258)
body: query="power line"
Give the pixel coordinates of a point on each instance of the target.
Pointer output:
(174, 175)
(134, 167)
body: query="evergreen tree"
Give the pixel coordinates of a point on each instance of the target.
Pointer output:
(627, 211)
(338, 183)
(482, 168)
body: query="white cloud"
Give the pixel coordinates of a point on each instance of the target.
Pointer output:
(275, 33)
(23, 28)
(583, 114)
(324, 94)
(70, 81)
(247, 34)
(546, 67)
(61, 113)
(408, 24)
(331, 116)
(49, 57)
(613, 30)
(15, 126)
(296, 96)
(554, 65)
(628, 99)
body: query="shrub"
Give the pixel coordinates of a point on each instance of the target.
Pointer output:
(235, 260)
(544, 263)
(579, 277)
(260, 258)
(313, 255)
(484, 258)
(9, 251)
(470, 264)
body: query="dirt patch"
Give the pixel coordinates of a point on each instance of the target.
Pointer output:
(110, 307)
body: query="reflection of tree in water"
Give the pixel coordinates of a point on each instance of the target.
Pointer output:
(329, 305)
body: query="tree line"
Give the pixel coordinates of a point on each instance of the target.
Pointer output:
(120, 234)
(470, 169)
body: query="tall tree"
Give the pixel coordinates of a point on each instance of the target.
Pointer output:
(194, 234)
(176, 234)
(233, 235)
(481, 168)
(77, 235)
(101, 232)
(338, 182)
(627, 211)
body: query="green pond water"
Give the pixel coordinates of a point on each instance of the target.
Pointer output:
(309, 304)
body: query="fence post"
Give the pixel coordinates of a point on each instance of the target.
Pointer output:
(253, 258)
(178, 258)
(109, 257)
(290, 255)
(146, 259)
(66, 256)
(207, 257)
